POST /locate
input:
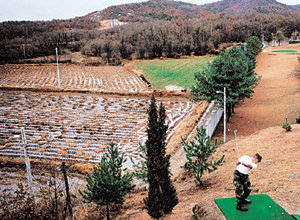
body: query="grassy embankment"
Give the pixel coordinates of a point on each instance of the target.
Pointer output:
(177, 72)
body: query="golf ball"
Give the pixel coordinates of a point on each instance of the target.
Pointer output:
(269, 207)
(282, 213)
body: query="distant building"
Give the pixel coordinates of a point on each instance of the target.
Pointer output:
(295, 38)
(275, 42)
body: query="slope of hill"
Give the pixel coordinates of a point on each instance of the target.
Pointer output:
(153, 9)
(170, 10)
(277, 176)
(237, 7)
(297, 7)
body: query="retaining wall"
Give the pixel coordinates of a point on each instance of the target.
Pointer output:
(211, 118)
(209, 121)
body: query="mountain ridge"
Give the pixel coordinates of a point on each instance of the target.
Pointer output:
(154, 9)
(236, 7)
(172, 10)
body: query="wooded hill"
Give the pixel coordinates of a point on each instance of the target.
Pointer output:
(236, 7)
(155, 10)
(156, 28)
(170, 10)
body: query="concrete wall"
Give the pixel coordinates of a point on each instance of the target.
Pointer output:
(210, 118)
(209, 121)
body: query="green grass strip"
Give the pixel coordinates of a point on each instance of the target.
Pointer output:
(285, 51)
(178, 72)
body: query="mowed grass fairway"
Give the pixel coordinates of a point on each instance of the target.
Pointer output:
(284, 51)
(178, 72)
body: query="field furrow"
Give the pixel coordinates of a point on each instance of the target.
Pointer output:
(72, 77)
(75, 127)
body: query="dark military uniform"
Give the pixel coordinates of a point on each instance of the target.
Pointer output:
(242, 184)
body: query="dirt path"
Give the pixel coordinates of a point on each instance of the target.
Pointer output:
(276, 97)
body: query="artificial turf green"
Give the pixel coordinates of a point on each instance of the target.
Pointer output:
(297, 217)
(284, 51)
(261, 208)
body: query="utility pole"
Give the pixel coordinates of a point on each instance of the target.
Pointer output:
(27, 162)
(24, 50)
(224, 114)
(25, 41)
(224, 108)
(58, 80)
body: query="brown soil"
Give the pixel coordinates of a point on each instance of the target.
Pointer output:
(278, 175)
(276, 97)
(258, 122)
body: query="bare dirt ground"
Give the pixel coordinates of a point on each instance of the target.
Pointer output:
(276, 97)
(258, 122)
(278, 175)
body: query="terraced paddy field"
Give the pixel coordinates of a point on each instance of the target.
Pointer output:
(71, 77)
(75, 124)
(76, 127)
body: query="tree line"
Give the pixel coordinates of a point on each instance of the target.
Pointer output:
(20, 40)
(232, 69)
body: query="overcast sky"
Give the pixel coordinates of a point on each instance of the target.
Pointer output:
(63, 9)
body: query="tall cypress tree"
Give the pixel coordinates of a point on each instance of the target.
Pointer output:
(169, 192)
(162, 195)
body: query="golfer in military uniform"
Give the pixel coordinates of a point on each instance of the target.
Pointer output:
(241, 179)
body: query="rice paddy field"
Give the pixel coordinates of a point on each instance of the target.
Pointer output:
(71, 77)
(177, 72)
(73, 123)
(76, 127)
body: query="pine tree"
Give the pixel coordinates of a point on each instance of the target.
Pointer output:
(197, 154)
(231, 69)
(162, 195)
(107, 186)
(254, 45)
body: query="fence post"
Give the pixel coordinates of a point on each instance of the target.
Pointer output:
(27, 162)
(63, 167)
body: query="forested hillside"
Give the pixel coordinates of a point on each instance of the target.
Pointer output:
(237, 7)
(161, 28)
(297, 6)
(171, 10)
(155, 10)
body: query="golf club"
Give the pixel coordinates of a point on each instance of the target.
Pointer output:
(237, 148)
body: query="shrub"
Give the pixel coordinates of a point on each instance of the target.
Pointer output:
(140, 168)
(286, 125)
(298, 120)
